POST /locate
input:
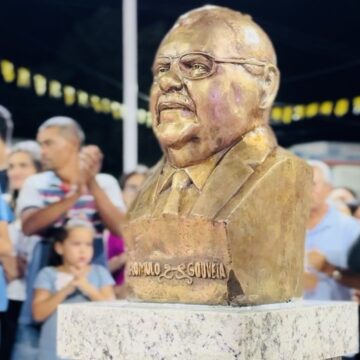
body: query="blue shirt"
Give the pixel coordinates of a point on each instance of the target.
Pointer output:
(333, 237)
(3, 297)
(48, 279)
(5, 215)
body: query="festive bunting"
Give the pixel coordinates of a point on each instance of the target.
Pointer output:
(288, 113)
(71, 96)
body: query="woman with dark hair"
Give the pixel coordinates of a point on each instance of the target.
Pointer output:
(24, 160)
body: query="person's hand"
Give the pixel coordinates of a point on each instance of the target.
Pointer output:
(120, 260)
(316, 260)
(81, 282)
(356, 295)
(70, 288)
(310, 281)
(117, 262)
(90, 164)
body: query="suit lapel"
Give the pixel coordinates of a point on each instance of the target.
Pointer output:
(233, 171)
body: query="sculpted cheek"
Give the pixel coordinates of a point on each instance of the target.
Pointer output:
(217, 104)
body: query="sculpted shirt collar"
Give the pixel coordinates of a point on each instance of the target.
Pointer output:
(198, 174)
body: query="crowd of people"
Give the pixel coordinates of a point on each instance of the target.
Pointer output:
(61, 236)
(60, 232)
(331, 237)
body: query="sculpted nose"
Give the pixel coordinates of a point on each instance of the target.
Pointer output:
(170, 82)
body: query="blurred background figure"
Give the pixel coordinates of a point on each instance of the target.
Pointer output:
(130, 184)
(24, 160)
(347, 277)
(356, 213)
(342, 194)
(6, 131)
(342, 198)
(330, 232)
(71, 188)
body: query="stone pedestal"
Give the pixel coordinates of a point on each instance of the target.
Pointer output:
(144, 331)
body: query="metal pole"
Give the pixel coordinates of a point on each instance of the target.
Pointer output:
(130, 136)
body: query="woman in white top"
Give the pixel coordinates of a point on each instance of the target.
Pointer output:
(24, 160)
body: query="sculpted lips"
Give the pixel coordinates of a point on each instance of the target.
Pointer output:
(166, 105)
(174, 103)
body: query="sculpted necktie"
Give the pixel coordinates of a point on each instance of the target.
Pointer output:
(180, 181)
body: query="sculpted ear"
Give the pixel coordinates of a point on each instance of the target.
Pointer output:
(270, 86)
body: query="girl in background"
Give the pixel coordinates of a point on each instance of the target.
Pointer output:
(72, 279)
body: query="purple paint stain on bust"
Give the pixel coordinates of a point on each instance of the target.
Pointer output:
(237, 93)
(215, 94)
(216, 104)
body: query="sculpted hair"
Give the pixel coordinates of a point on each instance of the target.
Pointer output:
(67, 126)
(244, 30)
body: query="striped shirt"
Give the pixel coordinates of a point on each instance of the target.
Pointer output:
(44, 189)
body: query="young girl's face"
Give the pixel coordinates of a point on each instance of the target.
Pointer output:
(77, 249)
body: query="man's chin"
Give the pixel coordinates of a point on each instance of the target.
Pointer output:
(176, 134)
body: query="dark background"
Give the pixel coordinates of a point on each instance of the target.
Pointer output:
(79, 42)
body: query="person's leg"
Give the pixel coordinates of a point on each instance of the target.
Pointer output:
(27, 343)
(9, 326)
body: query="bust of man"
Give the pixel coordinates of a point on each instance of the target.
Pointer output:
(221, 219)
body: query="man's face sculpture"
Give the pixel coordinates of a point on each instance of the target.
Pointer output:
(212, 240)
(210, 87)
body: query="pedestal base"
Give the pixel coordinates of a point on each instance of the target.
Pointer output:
(144, 331)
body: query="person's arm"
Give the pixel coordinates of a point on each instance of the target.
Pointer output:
(116, 262)
(90, 164)
(104, 293)
(5, 243)
(344, 277)
(310, 281)
(7, 260)
(45, 303)
(10, 266)
(36, 220)
(109, 213)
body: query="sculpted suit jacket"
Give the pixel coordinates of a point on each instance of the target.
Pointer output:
(240, 239)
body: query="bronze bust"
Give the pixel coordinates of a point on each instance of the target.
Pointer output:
(221, 219)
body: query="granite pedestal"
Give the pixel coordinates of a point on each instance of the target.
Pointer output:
(144, 331)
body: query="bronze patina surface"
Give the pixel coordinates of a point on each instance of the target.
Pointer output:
(221, 219)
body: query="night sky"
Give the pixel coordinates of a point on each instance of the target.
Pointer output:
(79, 42)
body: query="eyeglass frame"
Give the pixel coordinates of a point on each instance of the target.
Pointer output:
(215, 61)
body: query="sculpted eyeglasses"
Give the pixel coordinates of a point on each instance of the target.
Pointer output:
(196, 65)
